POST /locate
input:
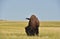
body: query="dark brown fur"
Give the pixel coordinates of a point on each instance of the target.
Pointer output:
(33, 22)
(33, 25)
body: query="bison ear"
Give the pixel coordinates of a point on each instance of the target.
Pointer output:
(28, 18)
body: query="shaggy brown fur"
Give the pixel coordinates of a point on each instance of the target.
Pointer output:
(33, 25)
(33, 22)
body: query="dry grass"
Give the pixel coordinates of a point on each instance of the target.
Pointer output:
(15, 30)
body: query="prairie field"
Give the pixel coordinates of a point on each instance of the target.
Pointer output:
(16, 30)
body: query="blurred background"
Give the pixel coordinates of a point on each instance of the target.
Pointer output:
(45, 10)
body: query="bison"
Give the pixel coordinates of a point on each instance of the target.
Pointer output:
(33, 26)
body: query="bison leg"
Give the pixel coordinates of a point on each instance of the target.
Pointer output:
(28, 30)
(37, 31)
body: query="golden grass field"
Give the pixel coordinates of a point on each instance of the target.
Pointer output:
(16, 30)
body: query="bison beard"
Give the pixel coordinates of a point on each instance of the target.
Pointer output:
(32, 28)
(29, 31)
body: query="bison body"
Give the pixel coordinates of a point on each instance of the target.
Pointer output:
(33, 26)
